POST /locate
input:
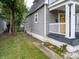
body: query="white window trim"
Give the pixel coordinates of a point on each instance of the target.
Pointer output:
(35, 18)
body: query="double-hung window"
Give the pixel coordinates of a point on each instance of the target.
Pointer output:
(36, 18)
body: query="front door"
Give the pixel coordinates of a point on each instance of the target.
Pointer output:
(62, 22)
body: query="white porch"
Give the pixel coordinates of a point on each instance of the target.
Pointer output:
(71, 24)
(56, 28)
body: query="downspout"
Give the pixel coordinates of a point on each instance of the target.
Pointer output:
(45, 20)
(45, 14)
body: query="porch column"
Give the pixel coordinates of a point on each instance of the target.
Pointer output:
(67, 20)
(70, 20)
(73, 21)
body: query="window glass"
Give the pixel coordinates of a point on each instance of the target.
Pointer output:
(36, 18)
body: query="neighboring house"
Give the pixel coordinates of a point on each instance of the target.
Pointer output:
(3, 25)
(55, 21)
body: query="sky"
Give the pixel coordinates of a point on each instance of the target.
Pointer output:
(29, 3)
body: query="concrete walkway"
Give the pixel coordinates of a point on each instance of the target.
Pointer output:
(39, 45)
(48, 52)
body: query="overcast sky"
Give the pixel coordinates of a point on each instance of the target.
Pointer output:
(29, 3)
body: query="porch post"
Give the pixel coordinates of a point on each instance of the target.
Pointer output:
(70, 21)
(73, 21)
(67, 20)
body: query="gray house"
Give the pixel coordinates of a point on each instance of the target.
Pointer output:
(3, 25)
(55, 21)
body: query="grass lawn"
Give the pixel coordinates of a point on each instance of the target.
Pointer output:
(19, 47)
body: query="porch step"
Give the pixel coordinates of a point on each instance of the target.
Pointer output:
(62, 38)
(56, 35)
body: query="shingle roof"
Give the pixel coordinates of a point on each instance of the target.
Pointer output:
(36, 6)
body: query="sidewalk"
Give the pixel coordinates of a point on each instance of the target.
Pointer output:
(48, 52)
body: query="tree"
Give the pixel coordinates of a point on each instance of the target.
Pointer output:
(22, 13)
(16, 10)
(6, 12)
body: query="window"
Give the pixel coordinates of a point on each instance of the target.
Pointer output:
(36, 18)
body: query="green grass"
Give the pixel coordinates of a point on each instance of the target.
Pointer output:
(19, 47)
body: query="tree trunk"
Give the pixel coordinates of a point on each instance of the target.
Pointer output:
(10, 28)
(13, 22)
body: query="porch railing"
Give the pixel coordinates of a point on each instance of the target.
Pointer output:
(58, 28)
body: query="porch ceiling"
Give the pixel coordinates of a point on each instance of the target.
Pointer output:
(61, 8)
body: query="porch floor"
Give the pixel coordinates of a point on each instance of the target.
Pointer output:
(62, 38)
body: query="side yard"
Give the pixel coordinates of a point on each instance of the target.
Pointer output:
(19, 47)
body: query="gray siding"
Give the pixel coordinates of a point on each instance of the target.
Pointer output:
(37, 28)
(50, 18)
(77, 22)
(27, 25)
(36, 6)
